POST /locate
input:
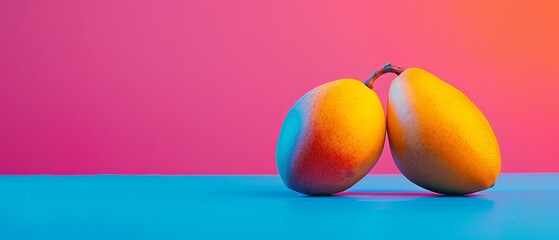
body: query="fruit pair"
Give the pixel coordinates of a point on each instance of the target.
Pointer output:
(334, 135)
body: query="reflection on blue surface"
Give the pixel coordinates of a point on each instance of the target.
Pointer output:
(260, 207)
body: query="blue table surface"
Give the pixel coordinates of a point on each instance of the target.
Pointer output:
(519, 206)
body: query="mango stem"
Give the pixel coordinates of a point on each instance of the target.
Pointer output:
(387, 68)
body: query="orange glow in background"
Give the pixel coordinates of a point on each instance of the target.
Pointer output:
(202, 87)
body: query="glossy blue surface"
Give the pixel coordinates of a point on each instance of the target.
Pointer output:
(259, 207)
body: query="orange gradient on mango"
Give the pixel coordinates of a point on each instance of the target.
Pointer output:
(438, 137)
(331, 138)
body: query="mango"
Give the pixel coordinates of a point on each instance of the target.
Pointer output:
(331, 138)
(439, 139)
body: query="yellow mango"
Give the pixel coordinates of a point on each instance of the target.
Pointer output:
(331, 138)
(438, 137)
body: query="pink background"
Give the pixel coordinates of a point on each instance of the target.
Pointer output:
(202, 87)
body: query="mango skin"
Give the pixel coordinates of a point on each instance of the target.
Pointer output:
(331, 138)
(439, 139)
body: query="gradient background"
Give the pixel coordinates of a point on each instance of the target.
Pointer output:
(202, 87)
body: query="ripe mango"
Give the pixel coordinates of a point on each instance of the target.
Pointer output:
(438, 137)
(331, 138)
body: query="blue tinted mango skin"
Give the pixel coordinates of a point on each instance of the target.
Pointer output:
(331, 138)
